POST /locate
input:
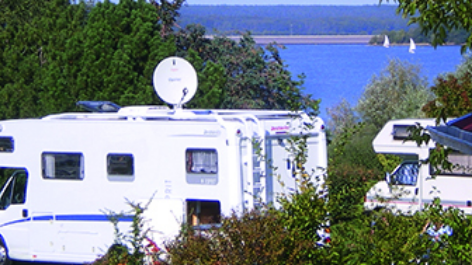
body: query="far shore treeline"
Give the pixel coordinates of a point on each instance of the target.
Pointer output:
(309, 20)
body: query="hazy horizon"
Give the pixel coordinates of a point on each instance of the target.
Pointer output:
(282, 2)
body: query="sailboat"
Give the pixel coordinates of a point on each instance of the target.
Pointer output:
(412, 46)
(386, 42)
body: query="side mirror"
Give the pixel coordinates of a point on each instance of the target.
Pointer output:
(387, 177)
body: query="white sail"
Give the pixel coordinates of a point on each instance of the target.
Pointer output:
(412, 46)
(386, 42)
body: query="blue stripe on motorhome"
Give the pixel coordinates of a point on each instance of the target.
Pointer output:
(15, 222)
(43, 218)
(71, 217)
(91, 217)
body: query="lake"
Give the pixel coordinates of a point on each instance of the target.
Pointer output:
(334, 72)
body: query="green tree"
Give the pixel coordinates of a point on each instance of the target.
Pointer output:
(121, 49)
(453, 93)
(398, 92)
(33, 38)
(61, 56)
(193, 45)
(341, 116)
(55, 53)
(167, 12)
(211, 82)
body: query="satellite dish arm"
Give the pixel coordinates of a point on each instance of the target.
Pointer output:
(184, 93)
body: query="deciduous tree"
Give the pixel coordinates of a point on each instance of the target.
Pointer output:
(398, 92)
(453, 93)
(341, 116)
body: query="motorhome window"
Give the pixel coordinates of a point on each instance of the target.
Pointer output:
(462, 165)
(204, 161)
(14, 190)
(406, 174)
(200, 212)
(6, 144)
(120, 164)
(63, 166)
(400, 132)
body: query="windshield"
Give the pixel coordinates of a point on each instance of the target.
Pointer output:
(406, 174)
(14, 190)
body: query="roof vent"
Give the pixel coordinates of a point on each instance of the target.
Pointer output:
(99, 106)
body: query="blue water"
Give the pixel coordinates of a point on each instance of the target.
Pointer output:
(334, 72)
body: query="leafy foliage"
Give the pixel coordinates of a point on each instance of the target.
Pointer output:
(452, 93)
(341, 117)
(130, 246)
(253, 238)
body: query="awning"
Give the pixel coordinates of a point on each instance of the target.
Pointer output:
(457, 134)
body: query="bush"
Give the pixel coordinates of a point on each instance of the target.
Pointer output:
(256, 237)
(289, 235)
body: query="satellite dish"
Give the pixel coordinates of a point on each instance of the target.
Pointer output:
(175, 81)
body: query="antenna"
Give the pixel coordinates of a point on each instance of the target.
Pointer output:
(175, 81)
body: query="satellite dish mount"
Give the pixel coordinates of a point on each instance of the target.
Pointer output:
(175, 81)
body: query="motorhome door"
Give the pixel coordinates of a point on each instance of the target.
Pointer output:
(14, 221)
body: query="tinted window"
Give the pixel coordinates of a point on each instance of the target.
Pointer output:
(63, 165)
(120, 164)
(6, 144)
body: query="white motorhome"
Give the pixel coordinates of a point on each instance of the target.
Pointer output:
(412, 184)
(67, 171)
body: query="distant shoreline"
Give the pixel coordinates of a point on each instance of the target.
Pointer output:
(307, 39)
(318, 40)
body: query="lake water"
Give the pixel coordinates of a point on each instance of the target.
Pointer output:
(334, 72)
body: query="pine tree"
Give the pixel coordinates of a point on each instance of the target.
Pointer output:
(122, 48)
(23, 41)
(63, 50)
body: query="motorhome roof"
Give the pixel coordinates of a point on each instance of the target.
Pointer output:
(160, 112)
(387, 141)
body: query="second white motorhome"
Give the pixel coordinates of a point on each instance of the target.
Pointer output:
(68, 170)
(412, 184)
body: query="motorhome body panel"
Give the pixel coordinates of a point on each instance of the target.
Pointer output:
(64, 215)
(159, 155)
